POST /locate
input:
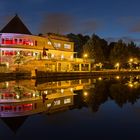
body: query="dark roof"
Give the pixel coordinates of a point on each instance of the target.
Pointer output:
(15, 26)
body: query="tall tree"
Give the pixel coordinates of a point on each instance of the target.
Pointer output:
(94, 49)
(119, 53)
(79, 41)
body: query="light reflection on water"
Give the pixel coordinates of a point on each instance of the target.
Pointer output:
(101, 107)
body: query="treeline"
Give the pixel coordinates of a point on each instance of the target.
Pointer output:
(101, 51)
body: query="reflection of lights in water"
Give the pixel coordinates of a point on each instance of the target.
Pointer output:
(100, 78)
(136, 83)
(17, 96)
(71, 89)
(130, 85)
(7, 84)
(46, 92)
(62, 90)
(85, 93)
(117, 77)
(33, 94)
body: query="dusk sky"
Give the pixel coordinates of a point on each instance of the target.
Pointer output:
(110, 19)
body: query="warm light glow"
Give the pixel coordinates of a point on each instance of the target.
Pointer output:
(117, 77)
(62, 90)
(71, 56)
(85, 93)
(17, 96)
(100, 78)
(62, 56)
(52, 55)
(71, 89)
(117, 65)
(130, 85)
(7, 84)
(85, 55)
(46, 92)
(131, 59)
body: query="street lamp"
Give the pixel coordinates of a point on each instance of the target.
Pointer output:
(85, 55)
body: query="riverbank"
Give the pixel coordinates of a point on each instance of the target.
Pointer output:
(43, 74)
(62, 75)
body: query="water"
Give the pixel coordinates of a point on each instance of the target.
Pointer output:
(97, 108)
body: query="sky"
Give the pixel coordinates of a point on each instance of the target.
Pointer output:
(109, 19)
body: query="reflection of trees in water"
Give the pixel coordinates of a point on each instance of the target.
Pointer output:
(97, 96)
(108, 89)
(122, 94)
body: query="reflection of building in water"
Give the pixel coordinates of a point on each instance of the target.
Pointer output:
(16, 99)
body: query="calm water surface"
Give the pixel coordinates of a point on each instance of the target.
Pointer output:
(98, 108)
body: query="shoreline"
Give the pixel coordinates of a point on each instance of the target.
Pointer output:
(63, 75)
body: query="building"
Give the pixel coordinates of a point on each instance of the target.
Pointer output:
(49, 52)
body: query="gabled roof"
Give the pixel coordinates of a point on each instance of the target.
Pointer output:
(15, 25)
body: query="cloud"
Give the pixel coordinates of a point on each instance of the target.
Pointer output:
(57, 23)
(90, 26)
(135, 27)
(131, 24)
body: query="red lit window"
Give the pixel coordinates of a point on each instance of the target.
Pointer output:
(8, 41)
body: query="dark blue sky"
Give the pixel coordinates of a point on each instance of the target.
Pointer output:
(110, 19)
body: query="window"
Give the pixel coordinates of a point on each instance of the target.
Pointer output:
(67, 46)
(20, 41)
(49, 43)
(57, 102)
(57, 45)
(15, 41)
(66, 101)
(49, 105)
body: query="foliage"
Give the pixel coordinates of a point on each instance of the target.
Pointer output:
(95, 48)
(18, 59)
(79, 41)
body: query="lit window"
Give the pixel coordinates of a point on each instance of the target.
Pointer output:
(49, 43)
(49, 105)
(52, 55)
(67, 46)
(58, 45)
(66, 101)
(62, 56)
(57, 102)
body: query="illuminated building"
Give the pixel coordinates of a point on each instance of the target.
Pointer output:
(49, 52)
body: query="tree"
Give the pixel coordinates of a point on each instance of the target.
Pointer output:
(18, 59)
(119, 53)
(94, 48)
(79, 41)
